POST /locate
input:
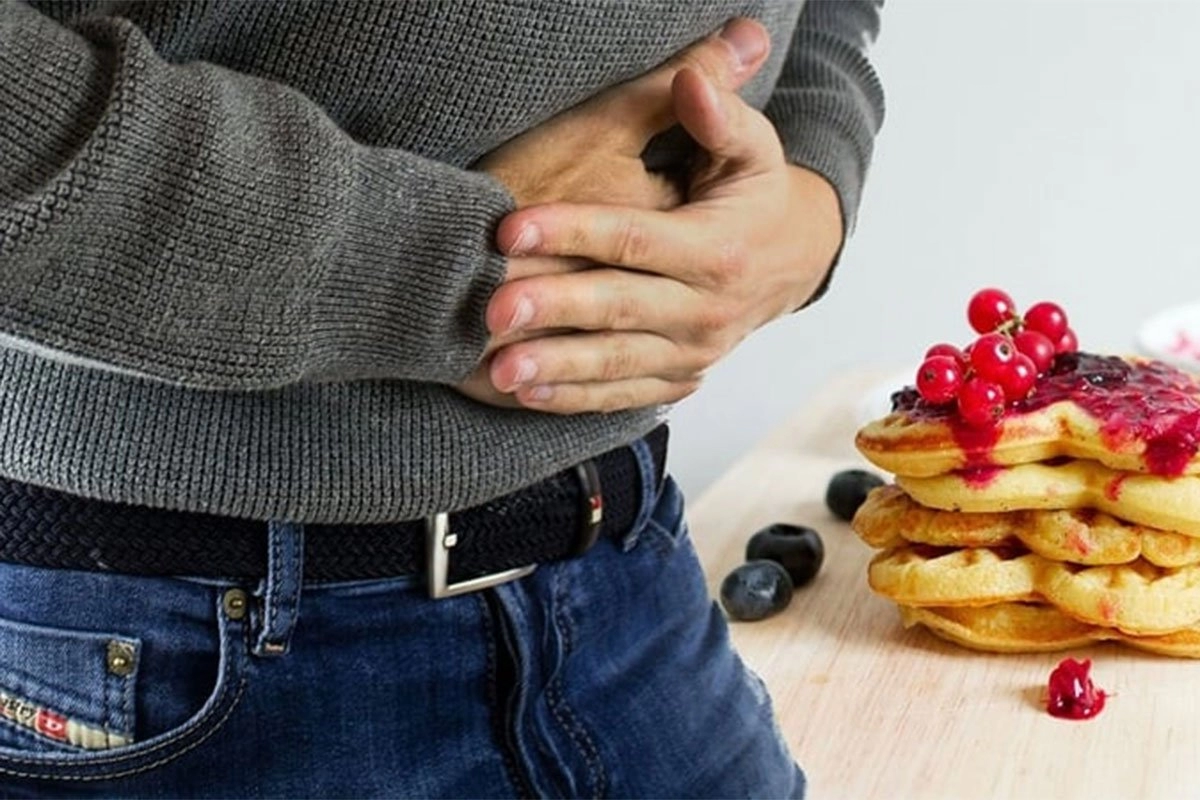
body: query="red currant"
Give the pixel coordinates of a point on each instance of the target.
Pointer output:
(1037, 346)
(1019, 378)
(991, 354)
(980, 402)
(1067, 343)
(988, 309)
(1048, 319)
(951, 351)
(939, 379)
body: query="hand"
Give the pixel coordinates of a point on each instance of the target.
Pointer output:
(685, 286)
(592, 154)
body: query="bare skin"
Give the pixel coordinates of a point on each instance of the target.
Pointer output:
(623, 296)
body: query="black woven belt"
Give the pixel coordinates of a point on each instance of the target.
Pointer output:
(547, 521)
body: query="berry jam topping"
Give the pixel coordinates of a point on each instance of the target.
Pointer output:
(1144, 401)
(1000, 366)
(1022, 363)
(1071, 693)
(979, 477)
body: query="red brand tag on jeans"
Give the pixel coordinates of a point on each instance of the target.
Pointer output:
(51, 724)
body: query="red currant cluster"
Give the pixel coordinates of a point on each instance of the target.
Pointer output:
(1002, 365)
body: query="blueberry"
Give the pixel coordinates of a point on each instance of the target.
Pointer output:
(756, 590)
(798, 549)
(848, 490)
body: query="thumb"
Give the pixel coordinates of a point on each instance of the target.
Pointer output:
(728, 59)
(723, 124)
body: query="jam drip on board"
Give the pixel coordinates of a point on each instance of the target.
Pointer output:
(1141, 401)
(1071, 692)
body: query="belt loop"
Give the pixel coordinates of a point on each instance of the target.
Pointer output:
(649, 492)
(281, 593)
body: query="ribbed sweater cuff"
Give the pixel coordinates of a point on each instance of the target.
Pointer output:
(414, 271)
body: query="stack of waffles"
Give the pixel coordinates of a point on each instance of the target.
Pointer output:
(1075, 519)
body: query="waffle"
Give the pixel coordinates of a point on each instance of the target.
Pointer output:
(1036, 628)
(1130, 415)
(1137, 598)
(920, 575)
(1166, 504)
(890, 518)
(1075, 519)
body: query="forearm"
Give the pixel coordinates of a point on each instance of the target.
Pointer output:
(207, 228)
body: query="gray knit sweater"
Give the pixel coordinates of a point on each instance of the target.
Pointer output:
(244, 256)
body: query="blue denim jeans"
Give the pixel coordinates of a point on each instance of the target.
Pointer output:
(610, 675)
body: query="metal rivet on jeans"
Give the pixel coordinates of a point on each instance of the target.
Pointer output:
(120, 658)
(234, 603)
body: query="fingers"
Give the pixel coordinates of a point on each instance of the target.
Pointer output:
(740, 143)
(728, 59)
(577, 398)
(478, 387)
(593, 357)
(597, 299)
(576, 372)
(681, 243)
(532, 266)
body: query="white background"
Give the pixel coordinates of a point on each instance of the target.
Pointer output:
(1049, 148)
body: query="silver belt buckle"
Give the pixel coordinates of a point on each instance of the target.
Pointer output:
(439, 541)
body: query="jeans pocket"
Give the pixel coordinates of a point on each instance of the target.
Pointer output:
(70, 684)
(65, 689)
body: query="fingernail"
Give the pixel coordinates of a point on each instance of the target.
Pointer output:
(529, 238)
(526, 370)
(522, 313)
(541, 393)
(746, 40)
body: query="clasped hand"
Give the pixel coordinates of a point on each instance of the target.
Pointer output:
(622, 288)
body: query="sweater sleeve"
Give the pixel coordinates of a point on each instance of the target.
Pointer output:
(206, 228)
(828, 103)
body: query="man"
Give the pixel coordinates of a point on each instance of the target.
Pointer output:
(281, 284)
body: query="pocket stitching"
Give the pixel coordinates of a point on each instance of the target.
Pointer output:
(37, 737)
(145, 767)
(667, 541)
(228, 648)
(172, 738)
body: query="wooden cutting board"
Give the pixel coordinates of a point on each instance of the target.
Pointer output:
(872, 710)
